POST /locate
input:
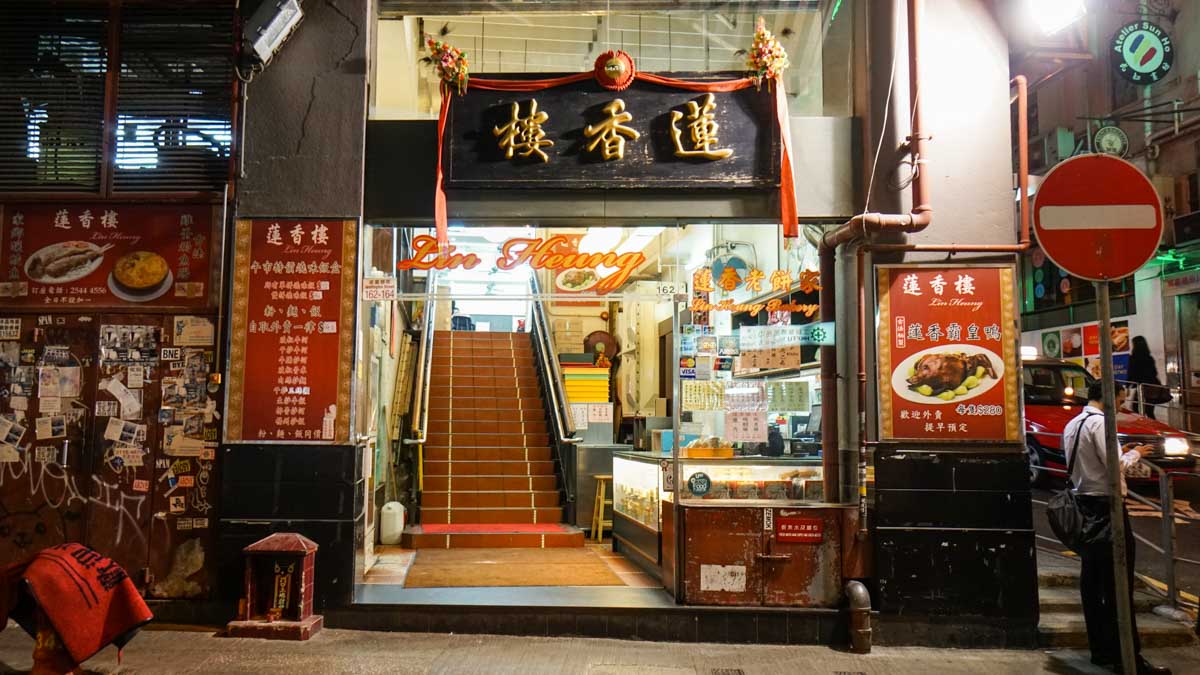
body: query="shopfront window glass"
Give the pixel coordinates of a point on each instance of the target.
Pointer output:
(681, 37)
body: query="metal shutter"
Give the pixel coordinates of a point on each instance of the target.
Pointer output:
(174, 98)
(52, 69)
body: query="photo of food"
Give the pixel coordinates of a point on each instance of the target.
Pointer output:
(947, 374)
(1072, 342)
(576, 281)
(140, 276)
(64, 262)
(1119, 333)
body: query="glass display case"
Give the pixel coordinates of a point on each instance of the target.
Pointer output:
(637, 486)
(757, 478)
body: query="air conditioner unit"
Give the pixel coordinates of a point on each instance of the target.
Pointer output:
(1050, 149)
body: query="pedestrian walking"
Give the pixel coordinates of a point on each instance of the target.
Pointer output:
(1084, 440)
(1143, 371)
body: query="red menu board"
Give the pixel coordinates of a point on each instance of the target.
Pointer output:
(292, 331)
(82, 255)
(947, 353)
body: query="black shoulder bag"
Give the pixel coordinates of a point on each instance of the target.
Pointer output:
(1066, 519)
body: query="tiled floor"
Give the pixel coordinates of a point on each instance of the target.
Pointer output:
(394, 562)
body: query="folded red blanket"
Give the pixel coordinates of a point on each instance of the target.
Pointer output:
(88, 598)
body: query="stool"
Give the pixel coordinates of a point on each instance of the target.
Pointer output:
(598, 504)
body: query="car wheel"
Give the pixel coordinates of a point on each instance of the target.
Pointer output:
(1038, 475)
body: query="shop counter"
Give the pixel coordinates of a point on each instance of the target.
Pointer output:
(754, 530)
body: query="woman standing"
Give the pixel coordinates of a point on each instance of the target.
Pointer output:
(1143, 371)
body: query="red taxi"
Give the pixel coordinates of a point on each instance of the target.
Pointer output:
(1055, 392)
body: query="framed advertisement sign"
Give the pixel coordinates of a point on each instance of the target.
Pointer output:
(291, 331)
(946, 351)
(84, 256)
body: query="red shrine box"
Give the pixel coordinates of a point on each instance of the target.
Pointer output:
(277, 603)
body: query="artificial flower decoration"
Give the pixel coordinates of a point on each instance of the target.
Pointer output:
(449, 61)
(767, 58)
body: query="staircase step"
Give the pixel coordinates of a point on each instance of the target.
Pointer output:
(488, 440)
(506, 426)
(497, 454)
(477, 467)
(490, 499)
(1068, 630)
(467, 414)
(491, 516)
(486, 398)
(1066, 599)
(492, 536)
(444, 483)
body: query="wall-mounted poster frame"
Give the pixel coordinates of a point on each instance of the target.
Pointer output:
(292, 305)
(946, 350)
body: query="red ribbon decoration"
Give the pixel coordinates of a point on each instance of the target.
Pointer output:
(787, 192)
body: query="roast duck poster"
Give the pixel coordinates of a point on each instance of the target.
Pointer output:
(82, 256)
(947, 354)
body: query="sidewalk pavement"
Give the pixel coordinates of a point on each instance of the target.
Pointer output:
(347, 651)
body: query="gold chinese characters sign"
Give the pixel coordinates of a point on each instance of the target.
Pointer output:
(291, 331)
(581, 135)
(807, 282)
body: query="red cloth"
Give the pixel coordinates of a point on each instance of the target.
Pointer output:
(88, 598)
(787, 192)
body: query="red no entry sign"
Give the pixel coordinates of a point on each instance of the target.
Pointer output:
(1098, 217)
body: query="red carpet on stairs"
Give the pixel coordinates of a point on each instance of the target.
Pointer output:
(525, 528)
(489, 471)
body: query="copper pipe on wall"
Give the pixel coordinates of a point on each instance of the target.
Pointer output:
(861, 226)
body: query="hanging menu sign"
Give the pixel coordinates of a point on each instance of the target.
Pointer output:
(293, 310)
(947, 353)
(85, 255)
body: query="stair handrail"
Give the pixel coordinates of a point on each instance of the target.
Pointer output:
(420, 403)
(563, 424)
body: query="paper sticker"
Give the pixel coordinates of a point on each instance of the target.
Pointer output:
(131, 403)
(183, 524)
(10, 354)
(723, 578)
(49, 405)
(48, 381)
(178, 503)
(112, 431)
(192, 331)
(12, 432)
(768, 519)
(200, 523)
(327, 421)
(45, 454)
(579, 416)
(187, 481)
(69, 381)
(10, 329)
(171, 354)
(107, 408)
(600, 413)
(208, 454)
(8, 454)
(130, 455)
(141, 485)
(134, 377)
(19, 402)
(51, 427)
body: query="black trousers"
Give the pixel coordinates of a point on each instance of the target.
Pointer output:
(1098, 587)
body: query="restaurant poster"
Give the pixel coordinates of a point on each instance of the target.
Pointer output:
(292, 331)
(82, 256)
(947, 353)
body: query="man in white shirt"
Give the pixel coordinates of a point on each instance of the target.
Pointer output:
(1083, 439)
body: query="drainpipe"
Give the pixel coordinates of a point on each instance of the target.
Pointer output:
(861, 226)
(860, 617)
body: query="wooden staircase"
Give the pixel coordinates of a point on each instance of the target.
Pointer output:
(489, 475)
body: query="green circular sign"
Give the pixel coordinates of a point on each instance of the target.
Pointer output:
(699, 484)
(1051, 344)
(1142, 52)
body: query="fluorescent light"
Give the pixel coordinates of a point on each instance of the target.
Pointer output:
(1175, 445)
(1052, 16)
(1029, 352)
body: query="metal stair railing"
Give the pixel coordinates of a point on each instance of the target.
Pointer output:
(551, 378)
(419, 424)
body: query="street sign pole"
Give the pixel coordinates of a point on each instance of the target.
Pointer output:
(1116, 499)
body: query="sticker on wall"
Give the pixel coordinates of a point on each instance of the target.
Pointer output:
(1051, 344)
(1072, 343)
(723, 578)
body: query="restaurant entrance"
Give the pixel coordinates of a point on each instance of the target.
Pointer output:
(529, 447)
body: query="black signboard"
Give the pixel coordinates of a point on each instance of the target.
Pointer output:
(583, 136)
